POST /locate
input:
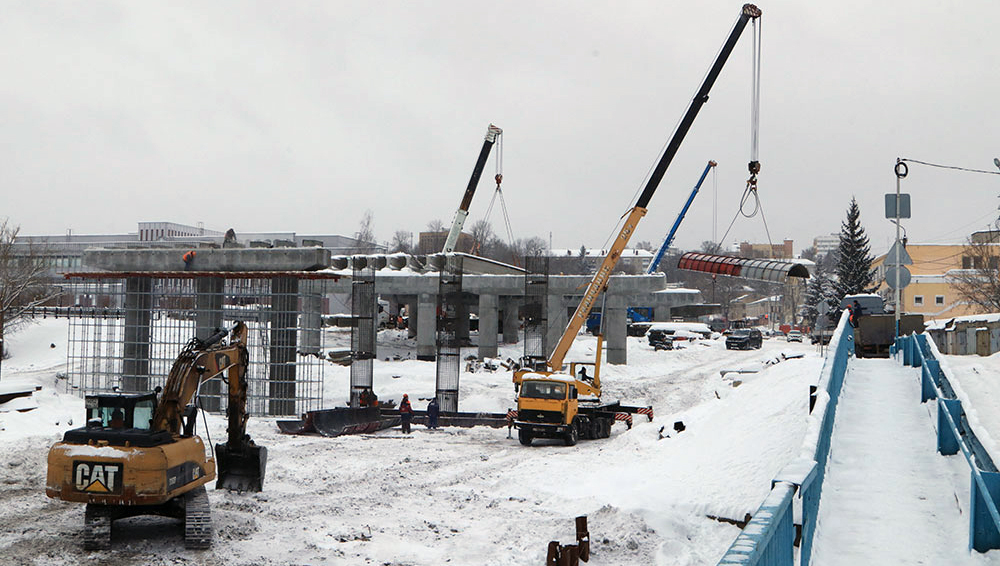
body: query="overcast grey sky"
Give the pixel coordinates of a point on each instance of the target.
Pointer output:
(303, 115)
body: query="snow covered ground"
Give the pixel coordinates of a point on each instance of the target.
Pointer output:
(457, 496)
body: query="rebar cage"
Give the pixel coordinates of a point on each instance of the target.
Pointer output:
(452, 327)
(363, 330)
(127, 330)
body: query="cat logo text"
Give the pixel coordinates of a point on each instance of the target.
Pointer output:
(97, 477)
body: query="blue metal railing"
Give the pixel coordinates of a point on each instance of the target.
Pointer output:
(954, 433)
(769, 537)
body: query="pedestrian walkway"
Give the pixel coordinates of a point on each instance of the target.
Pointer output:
(888, 497)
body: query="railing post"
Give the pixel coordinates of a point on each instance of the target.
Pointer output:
(947, 436)
(907, 350)
(983, 533)
(928, 381)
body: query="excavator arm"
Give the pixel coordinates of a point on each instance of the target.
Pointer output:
(240, 462)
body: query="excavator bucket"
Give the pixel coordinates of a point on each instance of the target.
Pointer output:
(242, 469)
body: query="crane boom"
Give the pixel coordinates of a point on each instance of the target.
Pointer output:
(463, 208)
(600, 280)
(677, 223)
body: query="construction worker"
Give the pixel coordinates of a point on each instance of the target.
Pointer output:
(188, 257)
(117, 419)
(433, 410)
(406, 413)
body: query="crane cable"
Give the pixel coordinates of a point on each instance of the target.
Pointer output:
(754, 166)
(498, 193)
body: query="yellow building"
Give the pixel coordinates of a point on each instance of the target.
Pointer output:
(930, 292)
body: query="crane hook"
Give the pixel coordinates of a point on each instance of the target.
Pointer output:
(498, 178)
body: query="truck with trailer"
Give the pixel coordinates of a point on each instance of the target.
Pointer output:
(555, 404)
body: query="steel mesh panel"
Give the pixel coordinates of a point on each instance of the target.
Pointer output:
(127, 332)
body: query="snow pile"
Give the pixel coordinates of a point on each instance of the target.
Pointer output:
(455, 495)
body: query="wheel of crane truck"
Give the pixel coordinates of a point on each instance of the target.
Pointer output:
(572, 434)
(594, 429)
(606, 428)
(524, 436)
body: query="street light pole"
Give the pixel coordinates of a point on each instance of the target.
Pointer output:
(901, 171)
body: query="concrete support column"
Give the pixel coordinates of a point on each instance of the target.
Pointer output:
(207, 320)
(284, 324)
(138, 315)
(615, 329)
(427, 327)
(462, 322)
(510, 320)
(557, 319)
(413, 312)
(488, 326)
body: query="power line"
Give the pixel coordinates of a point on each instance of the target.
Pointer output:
(951, 167)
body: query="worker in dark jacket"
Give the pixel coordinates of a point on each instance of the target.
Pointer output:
(433, 410)
(406, 413)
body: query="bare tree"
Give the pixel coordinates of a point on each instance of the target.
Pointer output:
(978, 282)
(482, 238)
(402, 241)
(365, 235)
(435, 225)
(23, 282)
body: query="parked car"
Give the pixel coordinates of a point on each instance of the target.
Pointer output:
(794, 336)
(744, 339)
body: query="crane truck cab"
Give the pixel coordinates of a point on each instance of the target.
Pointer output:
(549, 405)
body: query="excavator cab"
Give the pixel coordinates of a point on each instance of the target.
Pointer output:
(122, 410)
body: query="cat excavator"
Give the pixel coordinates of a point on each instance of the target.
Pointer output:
(138, 453)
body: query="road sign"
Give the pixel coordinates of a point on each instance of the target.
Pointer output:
(904, 276)
(890, 205)
(897, 255)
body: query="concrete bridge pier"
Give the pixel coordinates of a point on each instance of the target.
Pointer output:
(426, 327)
(510, 320)
(615, 329)
(488, 326)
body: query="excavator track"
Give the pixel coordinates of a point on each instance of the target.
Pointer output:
(197, 519)
(97, 528)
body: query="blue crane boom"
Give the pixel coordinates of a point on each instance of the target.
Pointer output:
(677, 223)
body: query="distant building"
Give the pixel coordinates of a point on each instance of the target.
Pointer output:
(785, 250)
(826, 244)
(433, 242)
(930, 291)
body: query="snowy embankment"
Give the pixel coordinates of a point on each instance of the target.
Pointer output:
(468, 496)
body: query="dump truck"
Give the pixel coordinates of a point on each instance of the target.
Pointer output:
(874, 328)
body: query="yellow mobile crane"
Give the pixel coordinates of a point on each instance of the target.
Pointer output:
(552, 404)
(139, 455)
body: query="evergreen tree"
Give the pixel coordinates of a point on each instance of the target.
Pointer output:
(854, 259)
